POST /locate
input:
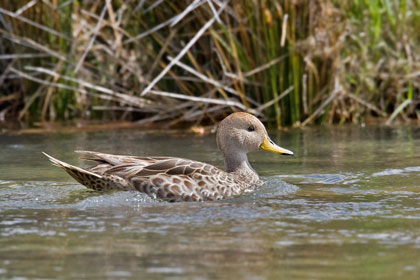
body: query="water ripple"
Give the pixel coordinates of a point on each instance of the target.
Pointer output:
(404, 171)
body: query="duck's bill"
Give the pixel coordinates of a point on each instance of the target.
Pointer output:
(270, 146)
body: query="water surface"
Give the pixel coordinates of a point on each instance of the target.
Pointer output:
(347, 206)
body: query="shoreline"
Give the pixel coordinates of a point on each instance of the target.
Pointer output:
(14, 127)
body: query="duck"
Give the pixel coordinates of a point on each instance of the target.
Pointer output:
(173, 179)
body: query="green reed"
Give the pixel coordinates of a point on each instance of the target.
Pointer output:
(344, 60)
(385, 40)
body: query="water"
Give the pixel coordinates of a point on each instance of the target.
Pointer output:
(347, 206)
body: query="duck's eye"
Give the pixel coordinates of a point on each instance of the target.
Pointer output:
(251, 128)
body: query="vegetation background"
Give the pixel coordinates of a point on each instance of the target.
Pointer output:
(291, 62)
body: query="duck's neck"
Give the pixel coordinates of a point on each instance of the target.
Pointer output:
(237, 163)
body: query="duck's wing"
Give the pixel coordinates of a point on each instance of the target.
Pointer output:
(162, 166)
(177, 179)
(107, 161)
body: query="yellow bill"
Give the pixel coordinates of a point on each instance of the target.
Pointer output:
(270, 146)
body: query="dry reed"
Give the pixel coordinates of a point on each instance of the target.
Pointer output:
(289, 62)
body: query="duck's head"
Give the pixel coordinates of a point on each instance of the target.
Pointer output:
(242, 133)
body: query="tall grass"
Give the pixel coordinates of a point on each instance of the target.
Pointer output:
(382, 56)
(289, 62)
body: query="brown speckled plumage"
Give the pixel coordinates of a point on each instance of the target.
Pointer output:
(177, 179)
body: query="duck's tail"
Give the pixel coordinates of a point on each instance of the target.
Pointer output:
(89, 179)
